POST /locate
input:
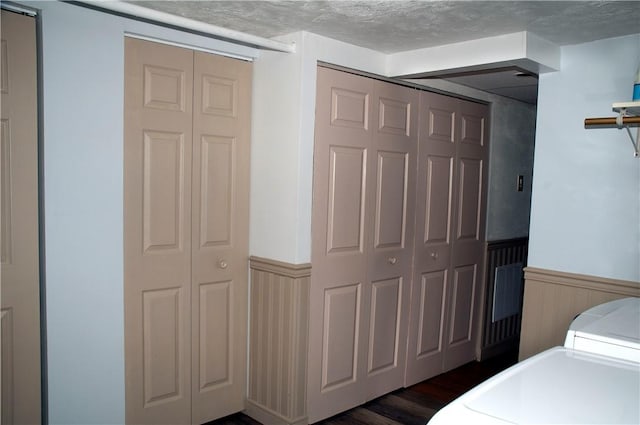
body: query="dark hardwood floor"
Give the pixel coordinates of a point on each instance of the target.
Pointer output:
(414, 405)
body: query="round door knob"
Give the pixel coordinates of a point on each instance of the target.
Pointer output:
(392, 260)
(434, 255)
(222, 264)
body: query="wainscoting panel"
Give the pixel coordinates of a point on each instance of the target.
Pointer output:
(278, 341)
(553, 299)
(500, 333)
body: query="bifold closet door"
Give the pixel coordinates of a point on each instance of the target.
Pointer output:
(186, 239)
(220, 235)
(364, 175)
(390, 245)
(157, 232)
(20, 294)
(467, 258)
(449, 238)
(342, 156)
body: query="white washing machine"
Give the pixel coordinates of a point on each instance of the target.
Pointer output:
(612, 329)
(585, 382)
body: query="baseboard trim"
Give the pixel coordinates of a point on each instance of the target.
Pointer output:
(269, 417)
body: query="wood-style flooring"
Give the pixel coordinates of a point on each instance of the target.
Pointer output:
(414, 405)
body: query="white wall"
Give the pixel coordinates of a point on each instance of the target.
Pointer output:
(585, 214)
(82, 72)
(282, 141)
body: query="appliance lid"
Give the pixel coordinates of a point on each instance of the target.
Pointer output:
(621, 323)
(561, 385)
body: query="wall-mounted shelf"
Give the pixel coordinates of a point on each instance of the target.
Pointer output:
(631, 108)
(628, 116)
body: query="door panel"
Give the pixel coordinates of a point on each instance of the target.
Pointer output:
(340, 336)
(472, 127)
(469, 191)
(462, 323)
(347, 187)
(186, 233)
(367, 168)
(391, 200)
(463, 293)
(450, 221)
(340, 220)
(384, 327)
(394, 115)
(432, 289)
(435, 199)
(20, 292)
(220, 234)
(468, 251)
(164, 88)
(163, 188)
(216, 348)
(218, 288)
(163, 375)
(216, 190)
(157, 223)
(437, 217)
(349, 108)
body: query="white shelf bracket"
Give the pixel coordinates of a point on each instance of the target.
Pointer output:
(619, 122)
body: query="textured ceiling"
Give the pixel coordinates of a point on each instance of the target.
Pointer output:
(399, 25)
(391, 26)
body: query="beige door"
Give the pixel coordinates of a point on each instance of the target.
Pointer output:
(467, 262)
(338, 252)
(20, 263)
(364, 175)
(220, 235)
(449, 235)
(186, 185)
(391, 197)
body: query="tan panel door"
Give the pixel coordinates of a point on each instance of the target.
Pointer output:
(20, 314)
(187, 143)
(467, 263)
(449, 245)
(364, 185)
(342, 159)
(435, 185)
(390, 246)
(220, 237)
(157, 232)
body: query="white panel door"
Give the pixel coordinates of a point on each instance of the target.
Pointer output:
(20, 294)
